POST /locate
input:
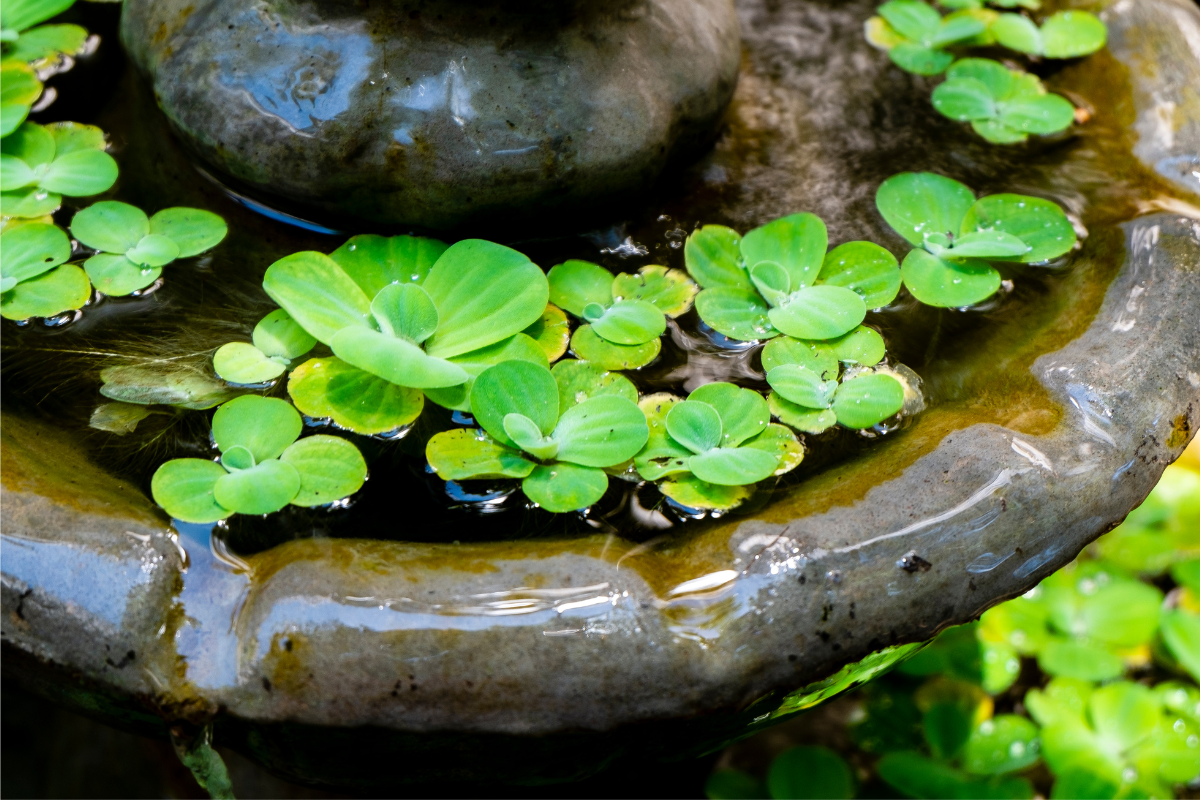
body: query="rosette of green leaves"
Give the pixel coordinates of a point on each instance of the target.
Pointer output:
(1003, 105)
(712, 447)
(957, 235)
(34, 280)
(779, 279)
(405, 313)
(560, 453)
(625, 314)
(915, 35)
(133, 248)
(262, 467)
(19, 90)
(39, 164)
(23, 42)
(1066, 34)
(275, 342)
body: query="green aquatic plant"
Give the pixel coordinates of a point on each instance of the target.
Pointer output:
(1003, 105)
(779, 279)
(559, 450)
(19, 90)
(275, 342)
(263, 466)
(1066, 34)
(21, 41)
(133, 248)
(957, 236)
(625, 314)
(915, 35)
(39, 164)
(34, 280)
(959, 5)
(710, 449)
(413, 312)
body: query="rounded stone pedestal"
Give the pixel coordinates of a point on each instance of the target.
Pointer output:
(439, 113)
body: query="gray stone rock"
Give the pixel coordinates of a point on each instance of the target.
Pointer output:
(439, 113)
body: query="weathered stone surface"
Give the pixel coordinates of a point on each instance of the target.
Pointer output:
(439, 113)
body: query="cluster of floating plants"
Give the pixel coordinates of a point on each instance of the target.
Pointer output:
(42, 164)
(1004, 105)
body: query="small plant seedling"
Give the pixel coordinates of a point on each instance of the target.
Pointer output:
(34, 281)
(915, 35)
(559, 453)
(133, 248)
(277, 341)
(957, 235)
(714, 445)
(262, 467)
(815, 402)
(779, 279)
(416, 313)
(1066, 34)
(23, 42)
(19, 90)
(1003, 106)
(625, 314)
(39, 164)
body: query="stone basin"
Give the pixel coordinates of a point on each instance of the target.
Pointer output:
(382, 658)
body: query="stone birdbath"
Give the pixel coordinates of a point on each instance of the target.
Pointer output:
(369, 647)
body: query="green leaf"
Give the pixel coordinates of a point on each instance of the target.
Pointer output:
(330, 468)
(948, 284)
(239, 362)
(15, 173)
(277, 334)
(817, 356)
(351, 397)
(917, 204)
(47, 41)
(919, 60)
(184, 488)
(263, 425)
(810, 772)
(29, 203)
(153, 251)
(1043, 114)
(1062, 702)
(168, 383)
(1017, 32)
(575, 284)
(262, 489)
(1123, 713)
(117, 276)
(21, 14)
(733, 784)
(996, 132)
(526, 435)
(404, 310)
(118, 418)
(561, 487)
(913, 19)
(695, 425)
(671, 291)
(72, 136)
(796, 242)
(914, 775)
(743, 412)
(1077, 782)
(808, 420)
(1070, 34)
(947, 726)
(395, 360)
(863, 346)
(462, 454)
(881, 35)
(1040, 224)
(1097, 602)
(237, 458)
(484, 293)
(588, 346)
(714, 259)
(515, 387)
(1187, 573)
(1087, 662)
(517, 347)
(866, 268)
(956, 29)
(30, 250)
(771, 280)
(691, 492)
(733, 466)
(780, 443)
(802, 386)
(80, 173)
(1181, 633)
(110, 226)
(19, 89)
(819, 312)
(551, 331)
(579, 380)
(996, 78)
(61, 289)
(318, 295)
(662, 455)
(737, 313)
(964, 99)
(193, 230)
(601, 432)
(988, 244)
(32, 144)
(866, 400)
(1005, 743)
(630, 322)
(373, 261)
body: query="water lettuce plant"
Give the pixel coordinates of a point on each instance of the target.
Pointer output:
(559, 453)
(263, 467)
(19, 90)
(915, 35)
(39, 164)
(34, 280)
(1066, 34)
(133, 248)
(21, 41)
(779, 279)
(625, 314)
(957, 236)
(712, 447)
(275, 342)
(1003, 105)
(416, 313)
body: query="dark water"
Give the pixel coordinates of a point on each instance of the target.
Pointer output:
(819, 121)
